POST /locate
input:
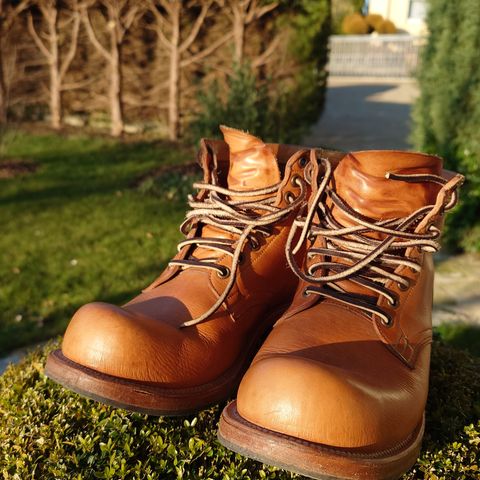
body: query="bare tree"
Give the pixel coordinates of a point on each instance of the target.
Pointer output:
(51, 48)
(9, 12)
(119, 15)
(242, 13)
(177, 41)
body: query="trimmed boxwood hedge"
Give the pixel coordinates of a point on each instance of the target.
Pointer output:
(49, 433)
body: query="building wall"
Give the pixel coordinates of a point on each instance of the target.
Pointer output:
(407, 15)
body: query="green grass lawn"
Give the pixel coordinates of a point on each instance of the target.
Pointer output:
(76, 231)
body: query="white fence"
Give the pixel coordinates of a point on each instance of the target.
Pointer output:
(377, 56)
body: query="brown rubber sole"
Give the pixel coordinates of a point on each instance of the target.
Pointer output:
(312, 459)
(153, 398)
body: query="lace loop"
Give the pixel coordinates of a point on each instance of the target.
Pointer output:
(352, 253)
(244, 214)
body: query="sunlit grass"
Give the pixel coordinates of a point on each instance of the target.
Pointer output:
(75, 231)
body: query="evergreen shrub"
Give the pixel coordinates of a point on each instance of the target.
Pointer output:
(447, 113)
(276, 109)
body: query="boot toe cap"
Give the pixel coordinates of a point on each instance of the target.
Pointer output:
(115, 341)
(321, 404)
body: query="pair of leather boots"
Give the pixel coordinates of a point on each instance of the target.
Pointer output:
(332, 250)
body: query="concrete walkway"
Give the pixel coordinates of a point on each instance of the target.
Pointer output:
(365, 113)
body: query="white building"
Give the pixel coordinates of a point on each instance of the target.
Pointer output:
(407, 15)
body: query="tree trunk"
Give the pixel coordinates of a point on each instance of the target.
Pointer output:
(3, 90)
(238, 34)
(174, 76)
(55, 82)
(115, 89)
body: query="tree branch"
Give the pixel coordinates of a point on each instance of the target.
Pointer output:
(93, 38)
(126, 20)
(8, 21)
(166, 6)
(76, 85)
(73, 47)
(207, 51)
(38, 41)
(158, 29)
(255, 14)
(196, 27)
(267, 53)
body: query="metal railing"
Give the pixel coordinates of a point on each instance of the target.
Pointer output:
(377, 56)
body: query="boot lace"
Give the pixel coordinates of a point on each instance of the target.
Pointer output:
(369, 262)
(244, 218)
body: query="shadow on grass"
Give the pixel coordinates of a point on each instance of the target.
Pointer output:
(32, 332)
(101, 169)
(460, 335)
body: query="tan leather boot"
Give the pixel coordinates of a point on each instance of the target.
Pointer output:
(338, 389)
(185, 342)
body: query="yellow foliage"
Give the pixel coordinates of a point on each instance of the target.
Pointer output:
(355, 24)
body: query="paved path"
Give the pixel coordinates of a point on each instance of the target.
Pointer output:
(365, 113)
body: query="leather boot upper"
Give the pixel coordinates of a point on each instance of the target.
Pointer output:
(192, 323)
(347, 365)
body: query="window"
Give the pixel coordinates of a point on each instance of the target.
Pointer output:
(417, 9)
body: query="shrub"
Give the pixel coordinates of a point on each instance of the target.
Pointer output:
(245, 106)
(256, 100)
(48, 432)
(447, 113)
(386, 27)
(373, 20)
(355, 24)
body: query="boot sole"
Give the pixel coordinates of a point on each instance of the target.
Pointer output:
(312, 459)
(149, 397)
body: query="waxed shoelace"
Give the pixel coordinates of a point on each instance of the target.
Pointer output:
(246, 218)
(372, 262)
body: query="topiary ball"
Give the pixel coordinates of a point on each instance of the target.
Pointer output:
(386, 27)
(355, 24)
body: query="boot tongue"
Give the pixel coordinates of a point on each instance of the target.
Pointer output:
(252, 164)
(360, 181)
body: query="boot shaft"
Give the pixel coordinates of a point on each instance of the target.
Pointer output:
(372, 226)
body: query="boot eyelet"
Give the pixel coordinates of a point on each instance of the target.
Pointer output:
(295, 181)
(254, 244)
(403, 287)
(393, 303)
(224, 272)
(306, 293)
(387, 322)
(302, 162)
(289, 197)
(241, 258)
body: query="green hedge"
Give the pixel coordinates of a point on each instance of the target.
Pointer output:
(447, 114)
(48, 433)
